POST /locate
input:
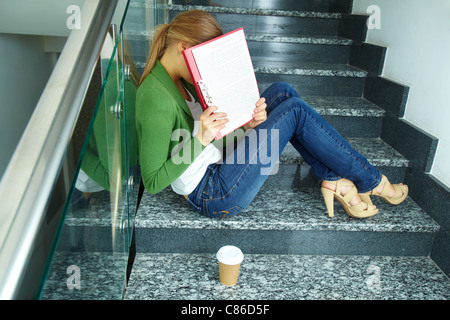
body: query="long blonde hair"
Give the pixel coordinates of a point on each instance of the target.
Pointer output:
(193, 27)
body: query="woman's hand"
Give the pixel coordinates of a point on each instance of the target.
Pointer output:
(259, 115)
(210, 124)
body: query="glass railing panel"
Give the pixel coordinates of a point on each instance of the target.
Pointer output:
(142, 16)
(92, 253)
(129, 85)
(91, 256)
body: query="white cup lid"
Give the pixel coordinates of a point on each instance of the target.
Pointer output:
(230, 255)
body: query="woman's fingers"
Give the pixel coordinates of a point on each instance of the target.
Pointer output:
(218, 124)
(260, 110)
(211, 123)
(260, 102)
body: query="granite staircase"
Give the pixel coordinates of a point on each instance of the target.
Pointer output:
(292, 249)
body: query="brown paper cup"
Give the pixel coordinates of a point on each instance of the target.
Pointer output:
(230, 259)
(229, 274)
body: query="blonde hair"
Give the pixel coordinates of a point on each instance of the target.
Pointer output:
(193, 27)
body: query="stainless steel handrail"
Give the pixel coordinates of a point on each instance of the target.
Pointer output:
(30, 177)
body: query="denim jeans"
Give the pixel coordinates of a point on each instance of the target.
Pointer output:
(228, 188)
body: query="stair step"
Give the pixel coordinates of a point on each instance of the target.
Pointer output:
(311, 79)
(296, 209)
(293, 170)
(190, 276)
(285, 221)
(331, 40)
(306, 49)
(351, 116)
(377, 152)
(265, 65)
(344, 106)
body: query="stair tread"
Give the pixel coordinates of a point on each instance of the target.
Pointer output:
(375, 150)
(344, 106)
(282, 209)
(164, 276)
(271, 65)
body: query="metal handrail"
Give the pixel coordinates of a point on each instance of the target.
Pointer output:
(30, 177)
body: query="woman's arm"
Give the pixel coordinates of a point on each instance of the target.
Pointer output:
(160, 166)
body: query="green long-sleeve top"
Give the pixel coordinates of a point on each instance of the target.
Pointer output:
(104, 143)
(160, 111)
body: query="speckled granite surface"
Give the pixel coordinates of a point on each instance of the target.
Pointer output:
(266, 65)
(262, 277)
(288, 277)
(301, 40)
(101, 276)
(376, 151)
(237, 10)
(275, 209)
(344, 106)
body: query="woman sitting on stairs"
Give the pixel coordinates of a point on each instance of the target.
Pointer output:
(218, 185)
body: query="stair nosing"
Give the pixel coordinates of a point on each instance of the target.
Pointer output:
(317, 40)
(308, 69)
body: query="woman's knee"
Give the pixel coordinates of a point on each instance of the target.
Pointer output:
(295, 109)
(285, 88)
(278, 93)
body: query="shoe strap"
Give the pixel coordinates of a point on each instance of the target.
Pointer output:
(350, 194)
(386, 190)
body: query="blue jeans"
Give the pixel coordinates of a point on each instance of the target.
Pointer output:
(228, 188)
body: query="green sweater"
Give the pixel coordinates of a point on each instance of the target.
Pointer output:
(103, 144)
(160, 111)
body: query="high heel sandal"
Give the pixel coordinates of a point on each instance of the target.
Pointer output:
(400, 194)
(363, 209)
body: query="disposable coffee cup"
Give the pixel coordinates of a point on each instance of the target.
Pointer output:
(230, 259)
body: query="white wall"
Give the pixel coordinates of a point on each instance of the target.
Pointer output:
(43, 17)
(417, 34)
(26, 68)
